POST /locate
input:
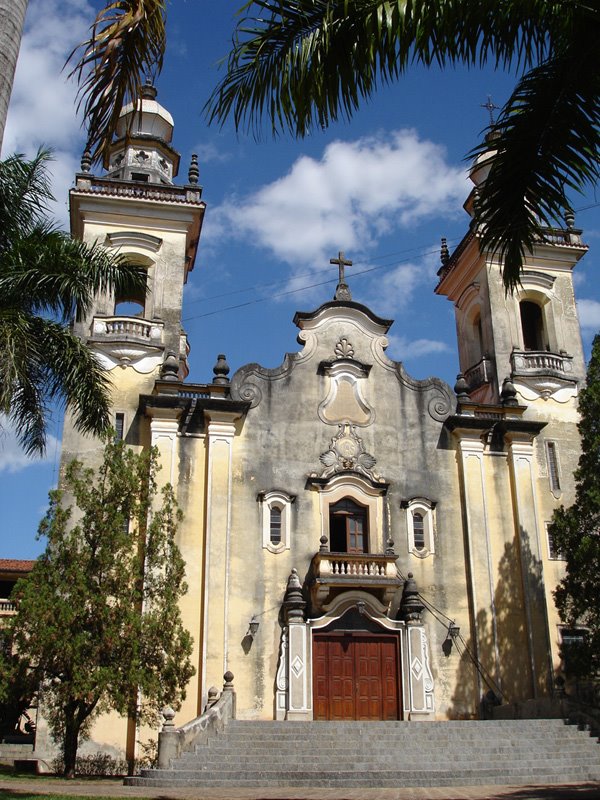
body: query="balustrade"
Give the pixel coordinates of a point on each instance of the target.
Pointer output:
(127, 327)
(479, 373)
(539, 362)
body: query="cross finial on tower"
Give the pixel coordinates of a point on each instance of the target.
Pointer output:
(491, 107)
(342, 291)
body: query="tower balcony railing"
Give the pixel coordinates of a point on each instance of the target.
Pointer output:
(137, 190)
(374, 572)
(480, 373)
(128, 328)
(533, 363)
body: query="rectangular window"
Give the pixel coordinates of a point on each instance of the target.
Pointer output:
(553, 473)
(553, 552)
(573, 644)
(119, 427)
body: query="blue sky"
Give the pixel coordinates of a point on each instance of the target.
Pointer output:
(383, 187)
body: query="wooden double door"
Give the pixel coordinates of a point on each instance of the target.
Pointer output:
(356, 676)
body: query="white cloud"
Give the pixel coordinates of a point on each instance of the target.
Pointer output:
(403, 349)
(42, 109)
(12, 456)
(589, 314)
(351, 197)
(394, 288)
(210, 152)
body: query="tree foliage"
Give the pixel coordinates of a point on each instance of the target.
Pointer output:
(576, 531)
(46, 280)
(98, 620)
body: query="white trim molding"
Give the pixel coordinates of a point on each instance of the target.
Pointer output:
(282, 501)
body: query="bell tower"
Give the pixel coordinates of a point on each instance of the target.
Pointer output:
(532, 336)
(138, 210)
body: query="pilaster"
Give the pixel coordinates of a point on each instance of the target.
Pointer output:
(525, 503)
(220, 433)
(479, 556)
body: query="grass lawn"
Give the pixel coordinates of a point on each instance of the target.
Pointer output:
(9, 794)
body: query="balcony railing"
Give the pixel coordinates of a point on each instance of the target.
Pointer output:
(137, 190)
(371, 571)
(7, 607)
(119, 328)
(479, 373)
(540, 363)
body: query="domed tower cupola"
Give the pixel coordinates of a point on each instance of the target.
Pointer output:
(142, 149)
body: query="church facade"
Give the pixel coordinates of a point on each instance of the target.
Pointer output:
(358, 544)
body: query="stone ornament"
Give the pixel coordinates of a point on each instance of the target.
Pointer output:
(344, 349)
(347, 452)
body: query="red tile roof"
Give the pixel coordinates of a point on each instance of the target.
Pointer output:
(15, 565)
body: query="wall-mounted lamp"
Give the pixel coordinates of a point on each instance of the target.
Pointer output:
(451, 636)
(453, 631)
(253, 627)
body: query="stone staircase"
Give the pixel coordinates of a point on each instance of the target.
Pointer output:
(385, 754)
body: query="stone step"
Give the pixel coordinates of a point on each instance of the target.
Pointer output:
(375, 779)
(401, 754)
(365, 760)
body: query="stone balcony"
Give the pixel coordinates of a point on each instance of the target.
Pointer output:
(480, 373)
(541, 363)
(112, 329)
(335, 572)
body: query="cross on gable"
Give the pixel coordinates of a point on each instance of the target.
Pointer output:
(342, 292)
(341, 262)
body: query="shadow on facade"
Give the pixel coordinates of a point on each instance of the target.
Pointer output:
(509, 653)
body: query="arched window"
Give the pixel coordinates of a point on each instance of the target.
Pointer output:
(532, 325)
(478, 350)
(131, 305)
(348, 530)
(276, 514)
(420, 524)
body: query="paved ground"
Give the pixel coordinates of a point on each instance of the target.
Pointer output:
(114, 788)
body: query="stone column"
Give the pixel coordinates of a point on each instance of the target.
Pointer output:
(299, 663)
(420, 680)
(528, 536)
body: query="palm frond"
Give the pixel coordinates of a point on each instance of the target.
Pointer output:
(43, 361)
(547, 141)
(46, 271)
(75, 376)
(127, 43)
(303, 63)
(24, 194)
(22, 398)
(46, 279)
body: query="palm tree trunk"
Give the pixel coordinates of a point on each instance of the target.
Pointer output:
(12, 17)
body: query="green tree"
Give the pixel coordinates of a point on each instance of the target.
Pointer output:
(576, 531)
(98, 622)
(302, 63)
(46, 280)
